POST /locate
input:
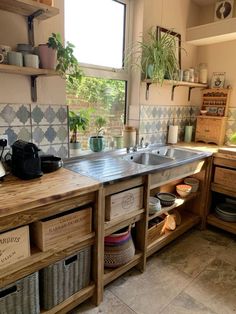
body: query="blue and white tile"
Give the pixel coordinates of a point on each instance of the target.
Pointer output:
(232, 113)
(49, 134)
(49, 114)
(14, 114)
(17, 132)
(60, 150)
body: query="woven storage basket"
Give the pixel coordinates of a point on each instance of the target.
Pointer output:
(21, 297)
(62, 279)
(118, 249)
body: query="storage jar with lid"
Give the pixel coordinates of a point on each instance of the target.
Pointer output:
(203, 73)
(129, 136)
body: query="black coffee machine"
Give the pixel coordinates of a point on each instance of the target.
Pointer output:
(26, 163)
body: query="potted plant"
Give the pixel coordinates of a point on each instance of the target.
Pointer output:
(233, 139)
(156, 57)
(53, 55)
(97, 142)
(77, 122)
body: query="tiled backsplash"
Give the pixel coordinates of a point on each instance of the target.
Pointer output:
(44, 125)
(154, 121)
(231, 123)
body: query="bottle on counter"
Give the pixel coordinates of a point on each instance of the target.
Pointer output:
(203, 72)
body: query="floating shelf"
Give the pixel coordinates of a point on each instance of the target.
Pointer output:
(175, 84)
(13, 69)
(227, 226)
(212, 33)
(28, 8)
(188, 221)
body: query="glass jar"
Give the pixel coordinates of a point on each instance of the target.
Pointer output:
(191, 75)
(203, 73)
(129, 136)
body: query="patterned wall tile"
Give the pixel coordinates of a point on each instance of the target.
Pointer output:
(232, 113)
(14, 115)
(17, 132)
(52, 134)
(60, 150)
(48, 114)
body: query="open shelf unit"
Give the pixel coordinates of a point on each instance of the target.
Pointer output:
(123, 221)
(227, 226)
(39, 259)
(179, 201)
(175, 84)
(28, 8)
(188, 221)
(31, 10)
(111, 274)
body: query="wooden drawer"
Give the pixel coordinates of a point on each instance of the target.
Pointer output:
(14, 246)
(124, 202)
(225, 177)
(48, 233)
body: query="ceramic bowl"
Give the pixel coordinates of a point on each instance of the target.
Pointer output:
(166, 199)
(193, 182)
(154, 205)
(183, 189)
(203, 112)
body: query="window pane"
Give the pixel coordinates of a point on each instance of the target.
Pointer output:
(96, 28)
(97, 97)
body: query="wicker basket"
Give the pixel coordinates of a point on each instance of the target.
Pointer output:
(62, 279)
(21, 297)
(119, 249)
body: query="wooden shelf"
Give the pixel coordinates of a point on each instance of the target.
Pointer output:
(217, 222)
(28, 7)
(13, 69)
(178, 202)
(175, 84)
(123, 221)
(215, 187)
(188, 221)
(214, 98)
(39, 260)
(72, 301)
(111, 274)
(211, 33)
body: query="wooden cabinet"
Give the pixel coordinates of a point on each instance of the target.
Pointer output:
(47, 197)
(222, 186)
(211, 127)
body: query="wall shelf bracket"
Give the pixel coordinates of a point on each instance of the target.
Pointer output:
(31, 25)
(147, 90)
(189, 92)
(173, 91)
(34, 87)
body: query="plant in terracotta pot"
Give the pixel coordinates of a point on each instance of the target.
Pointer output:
(156, 57)
(77, 122)
(53, 55)
(97, 142)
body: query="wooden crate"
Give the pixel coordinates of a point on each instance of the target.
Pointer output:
(154, 232)
(124, 202)
(51, 232)
(14, 246)
(225, 177)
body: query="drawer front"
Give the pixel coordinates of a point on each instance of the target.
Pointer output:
(225, 177)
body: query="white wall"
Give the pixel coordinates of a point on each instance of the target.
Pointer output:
(16, 88)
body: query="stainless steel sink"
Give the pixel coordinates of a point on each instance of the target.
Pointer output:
(175, 153)
(147, 158)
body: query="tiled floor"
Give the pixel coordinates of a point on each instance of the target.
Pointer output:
(195, 274)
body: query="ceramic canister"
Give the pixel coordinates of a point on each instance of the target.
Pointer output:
(15, 58)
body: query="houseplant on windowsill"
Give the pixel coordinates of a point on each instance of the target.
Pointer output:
(97, 142)
(155, 57)
(53, 55)
(77, 122)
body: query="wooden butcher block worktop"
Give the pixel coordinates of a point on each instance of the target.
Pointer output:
(29, 200)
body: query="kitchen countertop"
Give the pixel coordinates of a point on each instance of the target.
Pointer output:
(18, 195)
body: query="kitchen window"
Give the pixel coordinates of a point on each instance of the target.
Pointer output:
(99, 30)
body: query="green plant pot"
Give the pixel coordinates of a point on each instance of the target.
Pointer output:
(97, 143)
